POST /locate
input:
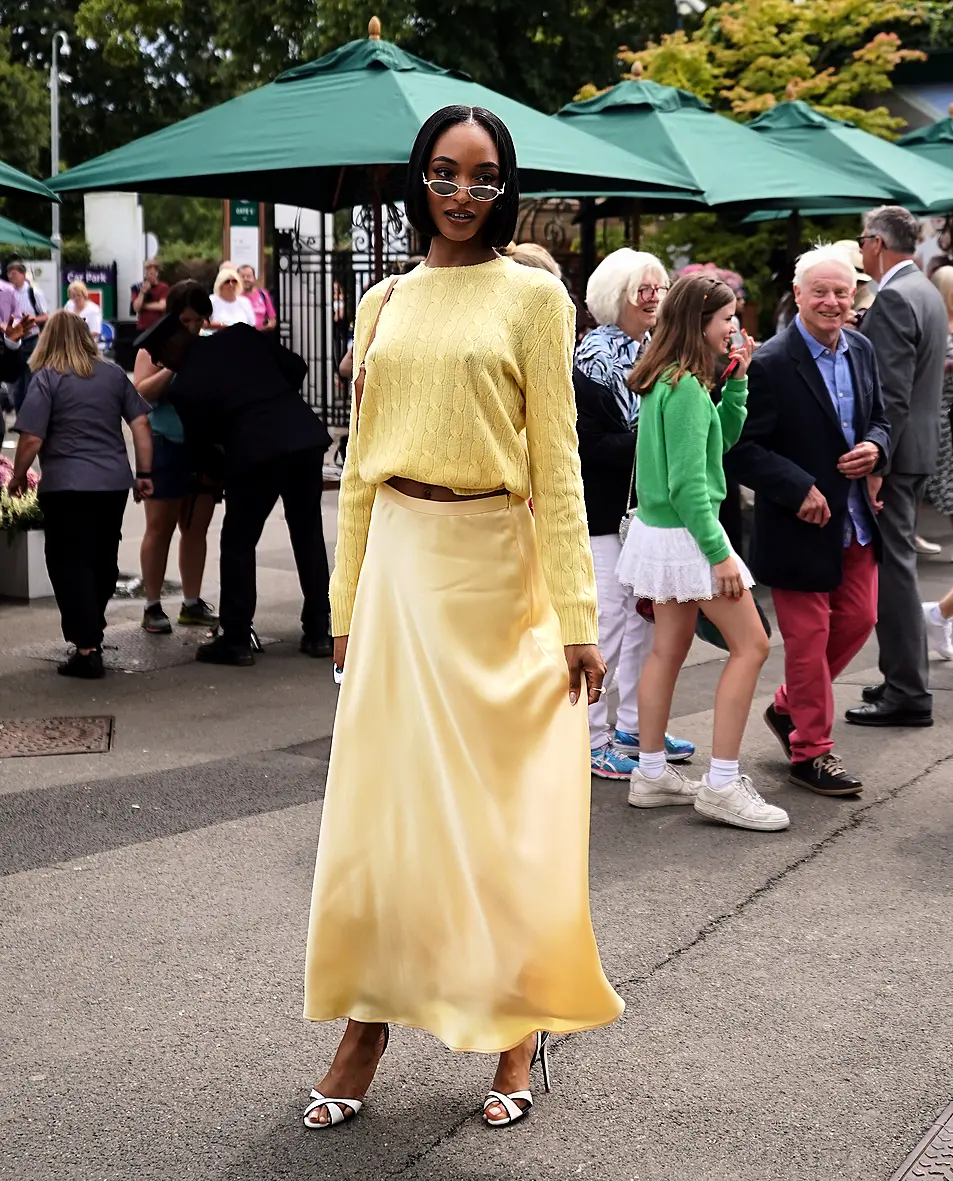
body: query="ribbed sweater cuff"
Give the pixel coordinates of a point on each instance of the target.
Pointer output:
(579, 623)
(719, 555)
(342, 607)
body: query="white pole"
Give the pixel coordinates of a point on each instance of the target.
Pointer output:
(59, 39)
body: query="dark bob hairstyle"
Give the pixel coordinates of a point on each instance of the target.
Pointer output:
(188, 294)
(501, 224)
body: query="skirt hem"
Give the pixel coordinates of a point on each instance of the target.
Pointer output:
(545, 1025)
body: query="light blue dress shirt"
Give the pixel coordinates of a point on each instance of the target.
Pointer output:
(834, 368)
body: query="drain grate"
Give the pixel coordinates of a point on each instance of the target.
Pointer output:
(129, 649)
(933, 1156)
(33, 737)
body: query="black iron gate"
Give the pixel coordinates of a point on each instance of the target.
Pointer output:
(319, 286)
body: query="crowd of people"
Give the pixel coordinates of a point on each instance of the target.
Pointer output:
(524, 517)
(246, 434)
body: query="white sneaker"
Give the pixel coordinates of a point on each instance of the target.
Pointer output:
(739, 804)
(671, 787)
(939, 635)
(922, 546)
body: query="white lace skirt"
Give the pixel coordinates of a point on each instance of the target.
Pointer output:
(666, 564)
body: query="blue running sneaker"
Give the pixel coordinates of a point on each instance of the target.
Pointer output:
(677, 750)
(608, 763)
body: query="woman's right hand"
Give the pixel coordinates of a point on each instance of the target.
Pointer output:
(730, 582)
(340, 651)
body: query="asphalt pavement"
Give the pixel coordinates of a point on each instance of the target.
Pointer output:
(787, 994)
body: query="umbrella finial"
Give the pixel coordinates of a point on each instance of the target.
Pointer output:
(636, 71)
(374, 29)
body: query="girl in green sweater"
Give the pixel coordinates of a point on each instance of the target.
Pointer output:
(678, 555)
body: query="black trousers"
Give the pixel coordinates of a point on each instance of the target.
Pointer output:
(83, 531)
(299, 480)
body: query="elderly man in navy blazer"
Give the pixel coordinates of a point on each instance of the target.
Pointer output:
(816, 428)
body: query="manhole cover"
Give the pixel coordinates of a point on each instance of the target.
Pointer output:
(933, 1156)
(30, 737)
(129, 649)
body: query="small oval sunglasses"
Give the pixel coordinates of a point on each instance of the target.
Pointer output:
(448, 188)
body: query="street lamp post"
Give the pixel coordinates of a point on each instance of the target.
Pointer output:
(60, 40)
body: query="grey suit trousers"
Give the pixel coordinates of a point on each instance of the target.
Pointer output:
(901, 631)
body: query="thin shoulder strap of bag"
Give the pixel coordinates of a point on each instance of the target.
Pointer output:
(359, 380)
(628, 502)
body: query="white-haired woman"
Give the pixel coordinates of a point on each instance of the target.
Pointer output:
(623, 296)
(229, 305)
(81, 305)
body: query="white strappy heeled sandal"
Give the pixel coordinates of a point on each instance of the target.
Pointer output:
(511, 1103)
(336, 1107)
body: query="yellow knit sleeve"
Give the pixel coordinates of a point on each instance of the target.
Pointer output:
(355, 498)
(555, 473)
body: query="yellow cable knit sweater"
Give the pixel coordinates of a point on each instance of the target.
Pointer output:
(463, 360)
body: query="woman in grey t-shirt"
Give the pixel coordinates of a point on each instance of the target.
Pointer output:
(72, 418)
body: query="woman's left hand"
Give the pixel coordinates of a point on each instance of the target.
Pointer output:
(585, 659)
(17, 486)
(742, 355)
(142, 490)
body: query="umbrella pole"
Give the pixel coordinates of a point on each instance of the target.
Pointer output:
(377, 206)
(587, 238)
(378, 236)
(794, 236)
(636, 224)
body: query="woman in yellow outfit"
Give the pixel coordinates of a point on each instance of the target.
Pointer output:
(451, 886)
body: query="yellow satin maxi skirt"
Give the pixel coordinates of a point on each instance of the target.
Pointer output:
(451, 890)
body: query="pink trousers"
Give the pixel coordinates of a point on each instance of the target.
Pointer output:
(823, 632)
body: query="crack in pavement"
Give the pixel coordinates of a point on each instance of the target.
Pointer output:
(714, 925)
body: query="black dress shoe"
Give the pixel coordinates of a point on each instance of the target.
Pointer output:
(85, 668)
(223, 651)
(781, 726)
(879, 713)
(825, 775)
(321, 646)
(872, 693)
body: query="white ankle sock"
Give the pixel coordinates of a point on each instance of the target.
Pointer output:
(722, 772)
(190, 602)
(652, 764)
(150, 603)
(936, 615)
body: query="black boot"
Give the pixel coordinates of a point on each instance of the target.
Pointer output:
(223, 651)
(317, 646)
(86, 668)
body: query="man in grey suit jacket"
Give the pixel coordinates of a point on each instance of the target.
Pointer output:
(908, 328)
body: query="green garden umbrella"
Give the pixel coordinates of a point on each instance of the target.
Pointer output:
(338, 131)
(732, 165)
(12, 180)
(918, 183)
(932, 143)
(12, 234)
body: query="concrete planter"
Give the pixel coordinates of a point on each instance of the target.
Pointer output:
(23, 566)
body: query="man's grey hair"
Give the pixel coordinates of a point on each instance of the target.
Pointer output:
(896, 226)
(824, 253)
(617, 279)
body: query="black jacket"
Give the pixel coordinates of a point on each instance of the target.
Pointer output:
(11, 362)
(792, 440)
(239, 390)
(606, 452)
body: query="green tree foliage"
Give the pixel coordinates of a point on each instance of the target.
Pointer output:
(25, 103)
(527, 49)
(747, 55)
(112, 90)
(138, 65)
